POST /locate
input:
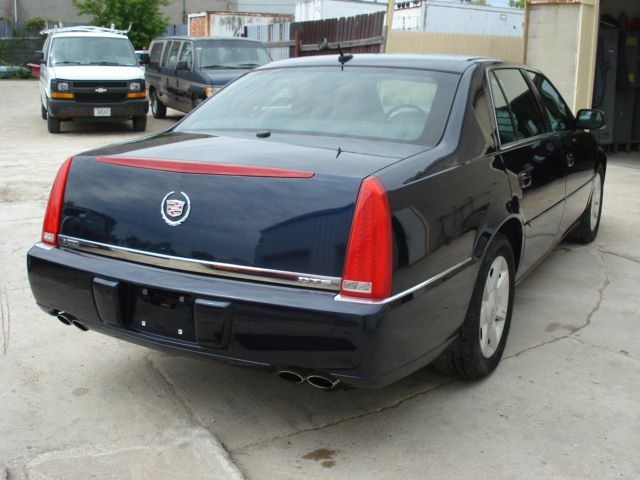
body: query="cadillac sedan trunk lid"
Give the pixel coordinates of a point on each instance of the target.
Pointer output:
(277, 206)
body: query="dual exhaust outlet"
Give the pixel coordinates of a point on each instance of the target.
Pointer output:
(68, 319)
(315, 379)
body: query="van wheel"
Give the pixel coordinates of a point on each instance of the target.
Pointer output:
(53, 124)
(483, 335)
(43, 112)
(140, 123)
(158, 110)
(587, 228)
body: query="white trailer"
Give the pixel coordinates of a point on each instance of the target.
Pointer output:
(309, 10)
(449, 17)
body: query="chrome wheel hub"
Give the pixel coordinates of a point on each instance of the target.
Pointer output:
(596, 199)
(495, 304)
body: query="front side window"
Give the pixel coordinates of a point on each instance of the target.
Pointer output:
(557, 112)
(523, 106)
(379, 103)
(83, 50)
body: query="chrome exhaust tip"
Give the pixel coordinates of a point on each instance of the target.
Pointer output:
(322, 382)
(64, 318)
(79, 325)
(291, 376)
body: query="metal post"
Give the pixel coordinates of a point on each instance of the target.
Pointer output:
(390, 6)
(15, 11)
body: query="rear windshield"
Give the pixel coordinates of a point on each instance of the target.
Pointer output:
(92, 51)
(230, 54)
(391, 104)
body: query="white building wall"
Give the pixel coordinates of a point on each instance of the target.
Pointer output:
(227, 25)
(552, 45)
(308, 10)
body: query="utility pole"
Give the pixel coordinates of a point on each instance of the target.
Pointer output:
(390, 6)
(15, 11)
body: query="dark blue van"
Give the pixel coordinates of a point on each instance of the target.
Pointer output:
(184, 71)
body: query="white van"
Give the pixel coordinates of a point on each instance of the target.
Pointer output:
(91, 72)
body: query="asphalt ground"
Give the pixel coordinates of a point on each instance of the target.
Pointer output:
(563, 404)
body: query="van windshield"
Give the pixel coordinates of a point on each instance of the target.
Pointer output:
(393, 104)
(84, 50)
(230, 54)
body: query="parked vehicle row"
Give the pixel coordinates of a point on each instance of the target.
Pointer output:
(91, 72)
(334, 219)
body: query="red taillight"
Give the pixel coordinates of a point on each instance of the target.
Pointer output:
(51, 224)
(367, 268)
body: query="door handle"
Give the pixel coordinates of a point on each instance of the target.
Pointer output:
(524, 178)
(571, 159)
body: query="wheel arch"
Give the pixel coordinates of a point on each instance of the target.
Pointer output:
(512, 228)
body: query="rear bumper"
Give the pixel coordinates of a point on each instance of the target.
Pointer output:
(73, 109)
(244, 323)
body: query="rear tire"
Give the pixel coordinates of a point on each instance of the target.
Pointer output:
(43, 112)
(587, 228)
(158, 110)
(483, 335)
(53, 124)
(140, 123)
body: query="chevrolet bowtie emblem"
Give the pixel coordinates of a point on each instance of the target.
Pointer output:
(100, 90)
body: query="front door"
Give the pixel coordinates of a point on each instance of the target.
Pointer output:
(533, 162)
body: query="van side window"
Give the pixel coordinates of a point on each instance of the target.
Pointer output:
(527, 117)
(156, 53)
(172, 59)
(187, 55)
(166, 53)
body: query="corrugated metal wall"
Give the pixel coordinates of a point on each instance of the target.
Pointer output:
(277, 32)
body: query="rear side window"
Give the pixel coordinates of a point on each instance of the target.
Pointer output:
(503, 116)
(172, 60)
(156, 52)
(557, 112)
(166, 53)
(523, 106)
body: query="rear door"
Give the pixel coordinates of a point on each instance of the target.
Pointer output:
(152, 71)
(578, 148)
(184, 77)
(533, 162)
(168, 70)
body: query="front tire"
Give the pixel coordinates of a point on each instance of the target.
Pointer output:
(158, 110)
(140, 123)
(483, 335)
(43, 112)
(587, 228)
(53, 124)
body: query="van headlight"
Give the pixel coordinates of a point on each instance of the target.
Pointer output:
(135, 86)
(210, 90)
(62, 86)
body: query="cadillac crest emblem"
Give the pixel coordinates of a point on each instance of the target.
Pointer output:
(175, 208)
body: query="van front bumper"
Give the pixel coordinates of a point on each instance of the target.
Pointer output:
(137, 107)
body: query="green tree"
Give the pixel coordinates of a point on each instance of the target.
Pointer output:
(144, 16)
(517, 3)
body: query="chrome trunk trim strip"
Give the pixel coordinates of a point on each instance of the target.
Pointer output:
(442, 276)
(202, 266)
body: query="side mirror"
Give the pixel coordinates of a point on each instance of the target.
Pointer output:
(590, 119)
(38, 57)
(144, 59)
(182, 65)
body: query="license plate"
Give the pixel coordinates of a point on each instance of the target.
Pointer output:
(102, 112)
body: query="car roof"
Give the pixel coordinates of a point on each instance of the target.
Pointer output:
(216, 37)
(448, 63)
